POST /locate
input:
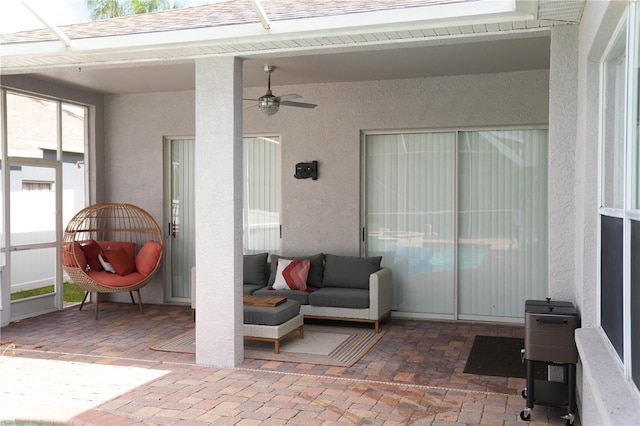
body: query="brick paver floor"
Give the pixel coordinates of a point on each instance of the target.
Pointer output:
(413, 375)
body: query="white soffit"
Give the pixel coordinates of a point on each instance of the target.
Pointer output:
(562, 11)
(332, 33)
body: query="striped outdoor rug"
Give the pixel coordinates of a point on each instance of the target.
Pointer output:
(325, 345)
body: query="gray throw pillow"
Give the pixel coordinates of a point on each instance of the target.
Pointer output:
(349, 271)
(314, 279)
(254, 269)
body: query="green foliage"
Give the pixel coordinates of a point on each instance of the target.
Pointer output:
(105, 9)
(72, 293)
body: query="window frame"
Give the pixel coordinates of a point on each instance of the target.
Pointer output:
(630, 210)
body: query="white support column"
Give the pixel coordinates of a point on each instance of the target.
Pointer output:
(218, 209)
(563, 95)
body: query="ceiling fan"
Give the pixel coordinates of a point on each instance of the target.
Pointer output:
(270, 104)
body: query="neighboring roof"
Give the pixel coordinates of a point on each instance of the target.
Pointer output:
(233, 12)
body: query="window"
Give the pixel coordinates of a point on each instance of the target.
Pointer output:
(619, 196)
(261, 195)
(37, 186)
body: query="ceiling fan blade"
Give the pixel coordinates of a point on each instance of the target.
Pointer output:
(288, 97)
(298, 104)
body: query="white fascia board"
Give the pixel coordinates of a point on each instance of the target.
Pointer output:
(467, 13)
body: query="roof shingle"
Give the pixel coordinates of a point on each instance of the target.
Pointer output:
(232, 12)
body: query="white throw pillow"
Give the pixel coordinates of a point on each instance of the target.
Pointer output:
(106, 265)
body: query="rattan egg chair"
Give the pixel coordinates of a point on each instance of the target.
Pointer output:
(118, 232)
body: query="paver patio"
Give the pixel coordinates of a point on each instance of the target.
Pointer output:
(413, 375)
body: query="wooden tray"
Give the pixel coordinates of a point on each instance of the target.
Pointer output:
(268, 301)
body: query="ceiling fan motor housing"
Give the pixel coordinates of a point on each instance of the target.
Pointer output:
(268, 103)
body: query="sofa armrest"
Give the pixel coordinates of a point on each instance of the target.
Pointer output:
(380, 293)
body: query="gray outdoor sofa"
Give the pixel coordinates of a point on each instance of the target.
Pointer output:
(344, 288)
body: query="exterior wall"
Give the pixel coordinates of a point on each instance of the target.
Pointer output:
(321, 215)
(562, 129)
(324, 215)
(327, 211)
(604, 395)
(135, 127)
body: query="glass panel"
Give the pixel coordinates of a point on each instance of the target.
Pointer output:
(611, 281)
(635, 302)
(28, 137)
(261, 195)
(183, 216)
(410, 218)
(73, 167)
(614, 125)
(33, 221)
(634, 202)
(33, 273)
(502, 221)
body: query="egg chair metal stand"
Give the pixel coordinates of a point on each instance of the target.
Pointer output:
(112, 224)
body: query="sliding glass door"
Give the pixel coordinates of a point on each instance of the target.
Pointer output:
(460, 218)
(502, 226)
(410, 216)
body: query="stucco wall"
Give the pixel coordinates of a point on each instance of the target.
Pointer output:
(324, 215)
(605, 395)
(321, 215)
(135, 127)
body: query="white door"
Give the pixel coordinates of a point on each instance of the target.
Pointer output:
(33, 269)
(179, 211)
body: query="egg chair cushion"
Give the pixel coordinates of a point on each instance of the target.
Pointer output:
(91, 250)
(121, 261)
(73, 256)
(147, 257)
(108, 279)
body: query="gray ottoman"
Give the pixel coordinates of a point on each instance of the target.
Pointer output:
(273, 323)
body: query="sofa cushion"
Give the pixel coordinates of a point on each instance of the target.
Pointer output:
(250, 288)
(299, 295)
(291, 274)
(349, 271)
(254, 269)
(314, 279)
(340, 298)
(271, 315)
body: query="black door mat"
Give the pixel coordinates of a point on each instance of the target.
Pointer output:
(500, 356)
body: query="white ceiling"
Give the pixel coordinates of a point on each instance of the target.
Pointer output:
(455, 57)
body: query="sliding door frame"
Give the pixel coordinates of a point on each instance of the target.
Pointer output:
(456, 315)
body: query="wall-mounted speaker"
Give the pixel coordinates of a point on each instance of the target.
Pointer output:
(307, 170)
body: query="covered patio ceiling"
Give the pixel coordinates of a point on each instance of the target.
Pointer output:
(433, 38)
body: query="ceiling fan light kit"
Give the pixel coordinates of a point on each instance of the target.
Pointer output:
(270, 104)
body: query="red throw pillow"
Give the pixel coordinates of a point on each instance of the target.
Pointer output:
(291, 274)
(91, 250)
(147, 258)
(120, 260)
(74, 256)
